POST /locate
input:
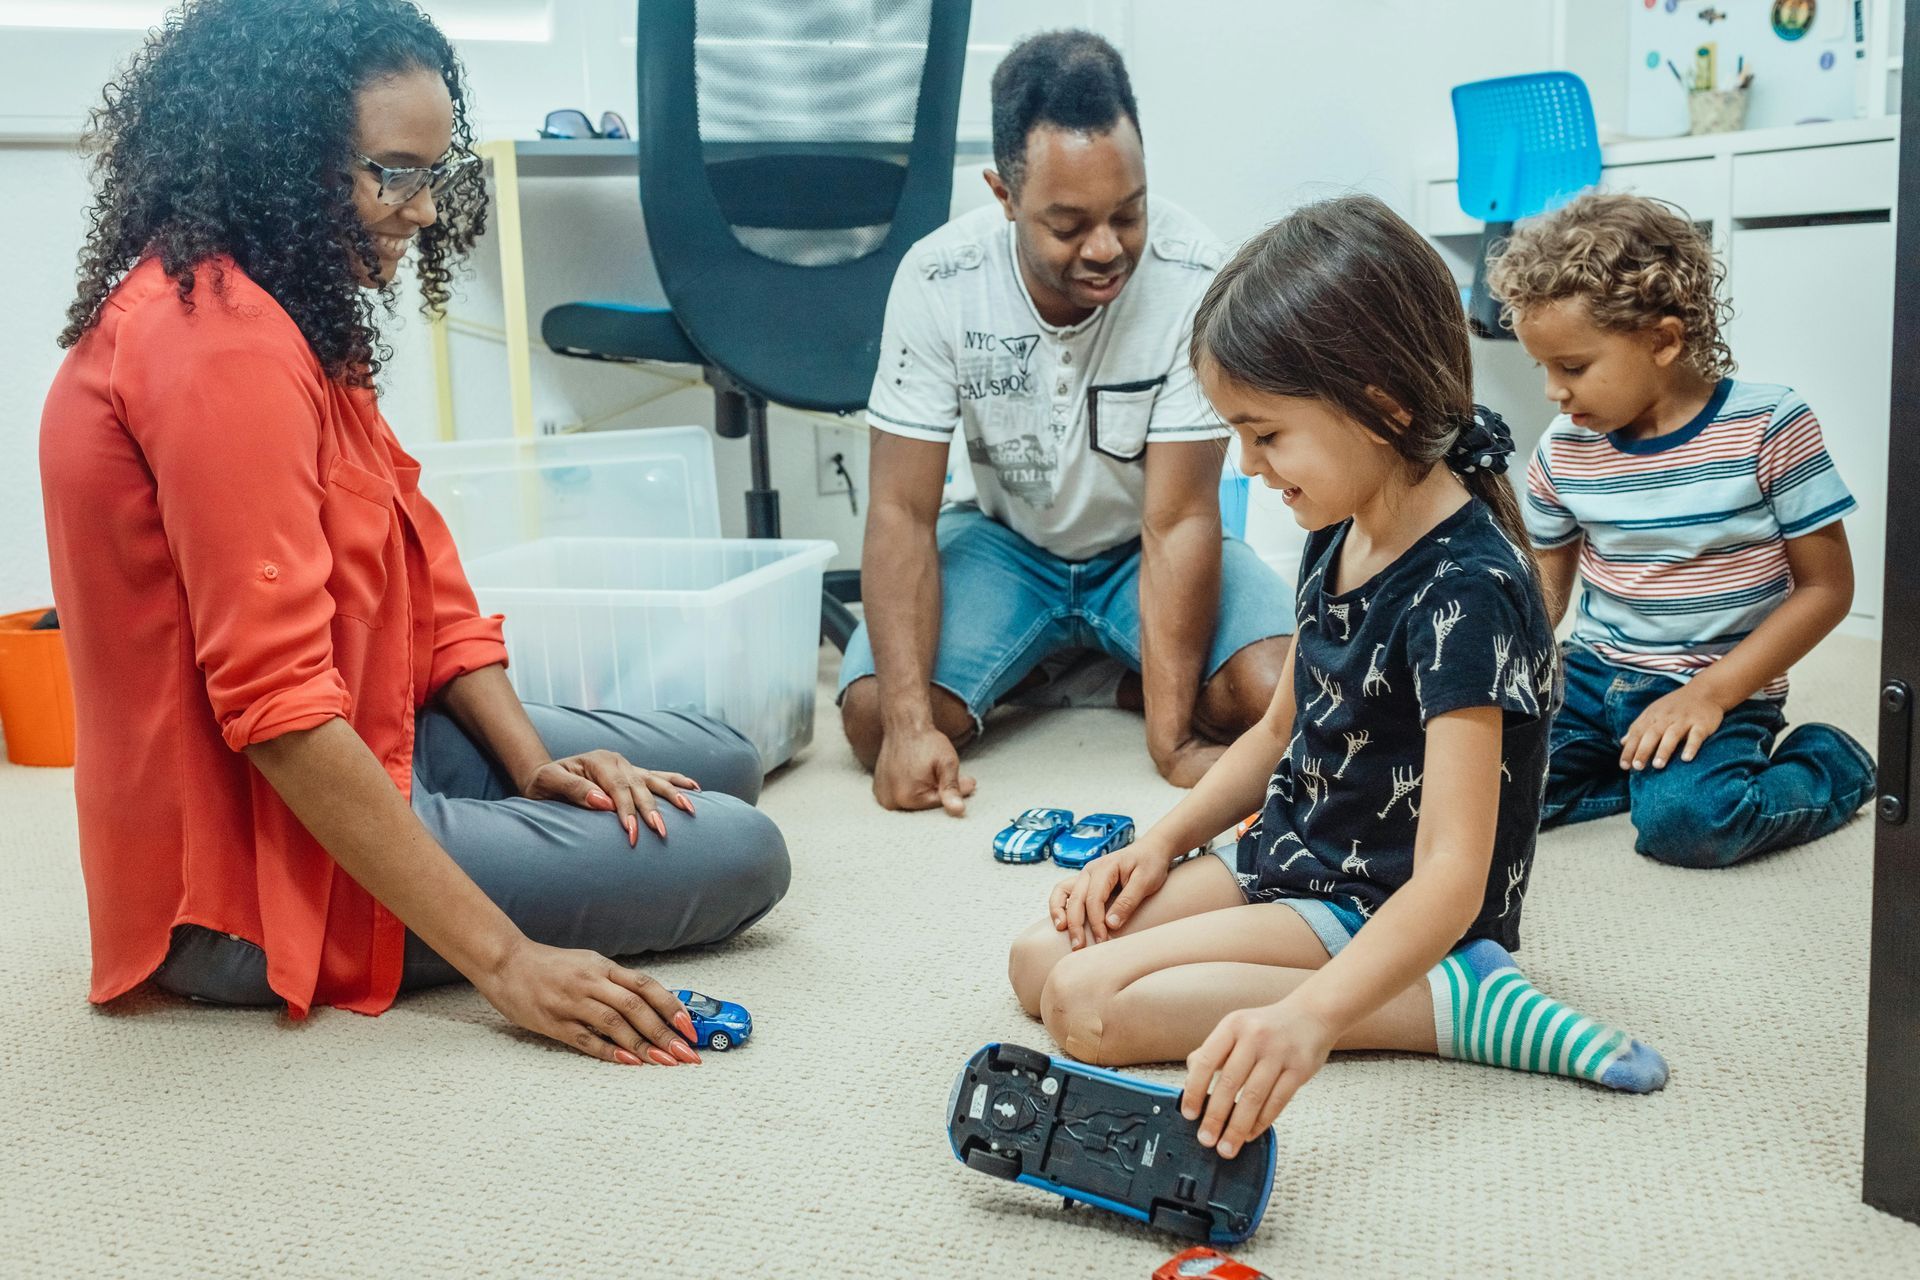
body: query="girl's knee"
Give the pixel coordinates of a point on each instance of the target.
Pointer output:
(1031, 960)
(1073, 1008)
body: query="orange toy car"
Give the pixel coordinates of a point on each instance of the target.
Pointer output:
(1202, 1263)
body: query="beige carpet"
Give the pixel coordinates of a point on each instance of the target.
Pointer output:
(159, 1139)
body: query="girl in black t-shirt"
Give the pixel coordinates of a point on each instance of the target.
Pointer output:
(1375, 901)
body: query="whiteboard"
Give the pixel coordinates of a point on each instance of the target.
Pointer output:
(1816, 77)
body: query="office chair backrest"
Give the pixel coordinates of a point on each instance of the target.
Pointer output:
(790, 154)
(1527, 144)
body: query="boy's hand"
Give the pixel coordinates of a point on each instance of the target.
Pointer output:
(1684, 718)
(1247, 1071)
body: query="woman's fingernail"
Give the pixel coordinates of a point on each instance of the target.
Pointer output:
(633, 831)
(601, 797)
(684, 1025)
(680, 1050)
(662, 1057)
(684, 803)
(659, 825)
(625, 1058)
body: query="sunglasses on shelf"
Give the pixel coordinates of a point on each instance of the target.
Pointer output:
(569, 123)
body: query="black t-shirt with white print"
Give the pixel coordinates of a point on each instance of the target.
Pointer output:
(1456, 622)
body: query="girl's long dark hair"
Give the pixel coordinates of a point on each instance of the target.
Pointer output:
(1341, 297)
(231, 132)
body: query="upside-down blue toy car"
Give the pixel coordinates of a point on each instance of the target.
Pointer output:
(1030, 837)
(1095, 835)
(1107, 1140)
(717, 1024)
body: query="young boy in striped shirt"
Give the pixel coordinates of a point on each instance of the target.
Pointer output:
(1702, 515)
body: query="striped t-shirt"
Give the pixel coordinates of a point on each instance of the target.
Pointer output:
(1685, 548)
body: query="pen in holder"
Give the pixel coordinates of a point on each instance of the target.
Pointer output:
(1717, 110)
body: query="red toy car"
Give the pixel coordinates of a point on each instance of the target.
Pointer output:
(1202, 1263)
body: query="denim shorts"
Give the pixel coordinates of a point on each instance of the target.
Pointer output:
(1006, 605)
(1332, 923)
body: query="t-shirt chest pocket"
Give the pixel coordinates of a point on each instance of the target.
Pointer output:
(1118, 415)
(358, 520)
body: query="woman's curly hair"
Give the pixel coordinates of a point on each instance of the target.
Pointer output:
(231, 132)
(1633, 260)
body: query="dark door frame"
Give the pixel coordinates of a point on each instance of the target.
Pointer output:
(1891, 1164)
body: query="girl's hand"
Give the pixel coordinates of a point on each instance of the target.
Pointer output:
(1080, 905)
(605, 780)
(1254, 1062)
(1684, 718)
(589, 1003)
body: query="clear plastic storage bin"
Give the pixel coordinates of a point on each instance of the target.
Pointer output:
(726, 626)
(656, 482)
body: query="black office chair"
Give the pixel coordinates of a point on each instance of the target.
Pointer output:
(790, 155)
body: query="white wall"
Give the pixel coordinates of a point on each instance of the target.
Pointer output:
(1249, 106)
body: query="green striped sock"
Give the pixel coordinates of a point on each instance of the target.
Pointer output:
(1485, 1010)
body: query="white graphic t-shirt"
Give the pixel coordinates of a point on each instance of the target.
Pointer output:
(1057, 420)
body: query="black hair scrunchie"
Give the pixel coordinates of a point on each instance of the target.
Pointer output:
(1483, 444)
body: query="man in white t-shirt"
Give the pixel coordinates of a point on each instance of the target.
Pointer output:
(1051, 330)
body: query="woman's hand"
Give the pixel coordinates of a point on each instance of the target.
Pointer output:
(1080, 905)
(589, 1003)
(607, 781)
(1245, 1073)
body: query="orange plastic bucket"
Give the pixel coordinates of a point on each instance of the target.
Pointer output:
(36, 693)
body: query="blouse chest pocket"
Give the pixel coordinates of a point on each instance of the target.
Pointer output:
(357, 517)
(1118, 416)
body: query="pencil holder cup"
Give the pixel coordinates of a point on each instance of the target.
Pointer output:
(1717, 110)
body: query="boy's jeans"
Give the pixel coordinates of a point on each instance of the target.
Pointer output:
(1739, 796)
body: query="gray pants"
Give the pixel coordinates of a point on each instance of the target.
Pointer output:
(564, 875)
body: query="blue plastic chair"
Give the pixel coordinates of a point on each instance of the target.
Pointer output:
(1528, 144)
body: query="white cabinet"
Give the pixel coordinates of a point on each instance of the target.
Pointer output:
(1814, 309)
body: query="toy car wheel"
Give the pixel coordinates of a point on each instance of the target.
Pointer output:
(1008, 1167)
(1181, 1222)
(1013, 1057)
(720, 1041)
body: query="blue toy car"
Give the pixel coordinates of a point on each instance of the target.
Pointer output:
(1031, 837)
(1107, 1140)
(717, 1024)
(1096, 834)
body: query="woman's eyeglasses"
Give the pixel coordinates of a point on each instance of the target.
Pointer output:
(397, 186)
(570, 123)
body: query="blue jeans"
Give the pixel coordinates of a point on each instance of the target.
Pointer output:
(1006, 605)
(1739, 796)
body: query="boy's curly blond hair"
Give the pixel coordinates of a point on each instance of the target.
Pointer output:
(1632, 259)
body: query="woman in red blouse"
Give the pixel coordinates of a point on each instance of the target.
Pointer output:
(302, 776)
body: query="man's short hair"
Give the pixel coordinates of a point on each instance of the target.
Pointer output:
(1069, 79)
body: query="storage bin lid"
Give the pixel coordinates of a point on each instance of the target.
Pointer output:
(655, 482)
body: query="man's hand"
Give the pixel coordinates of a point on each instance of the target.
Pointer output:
(920, 770)
(1684, 718)
(1186, 762)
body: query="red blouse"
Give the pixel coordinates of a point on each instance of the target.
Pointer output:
(239, 550)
